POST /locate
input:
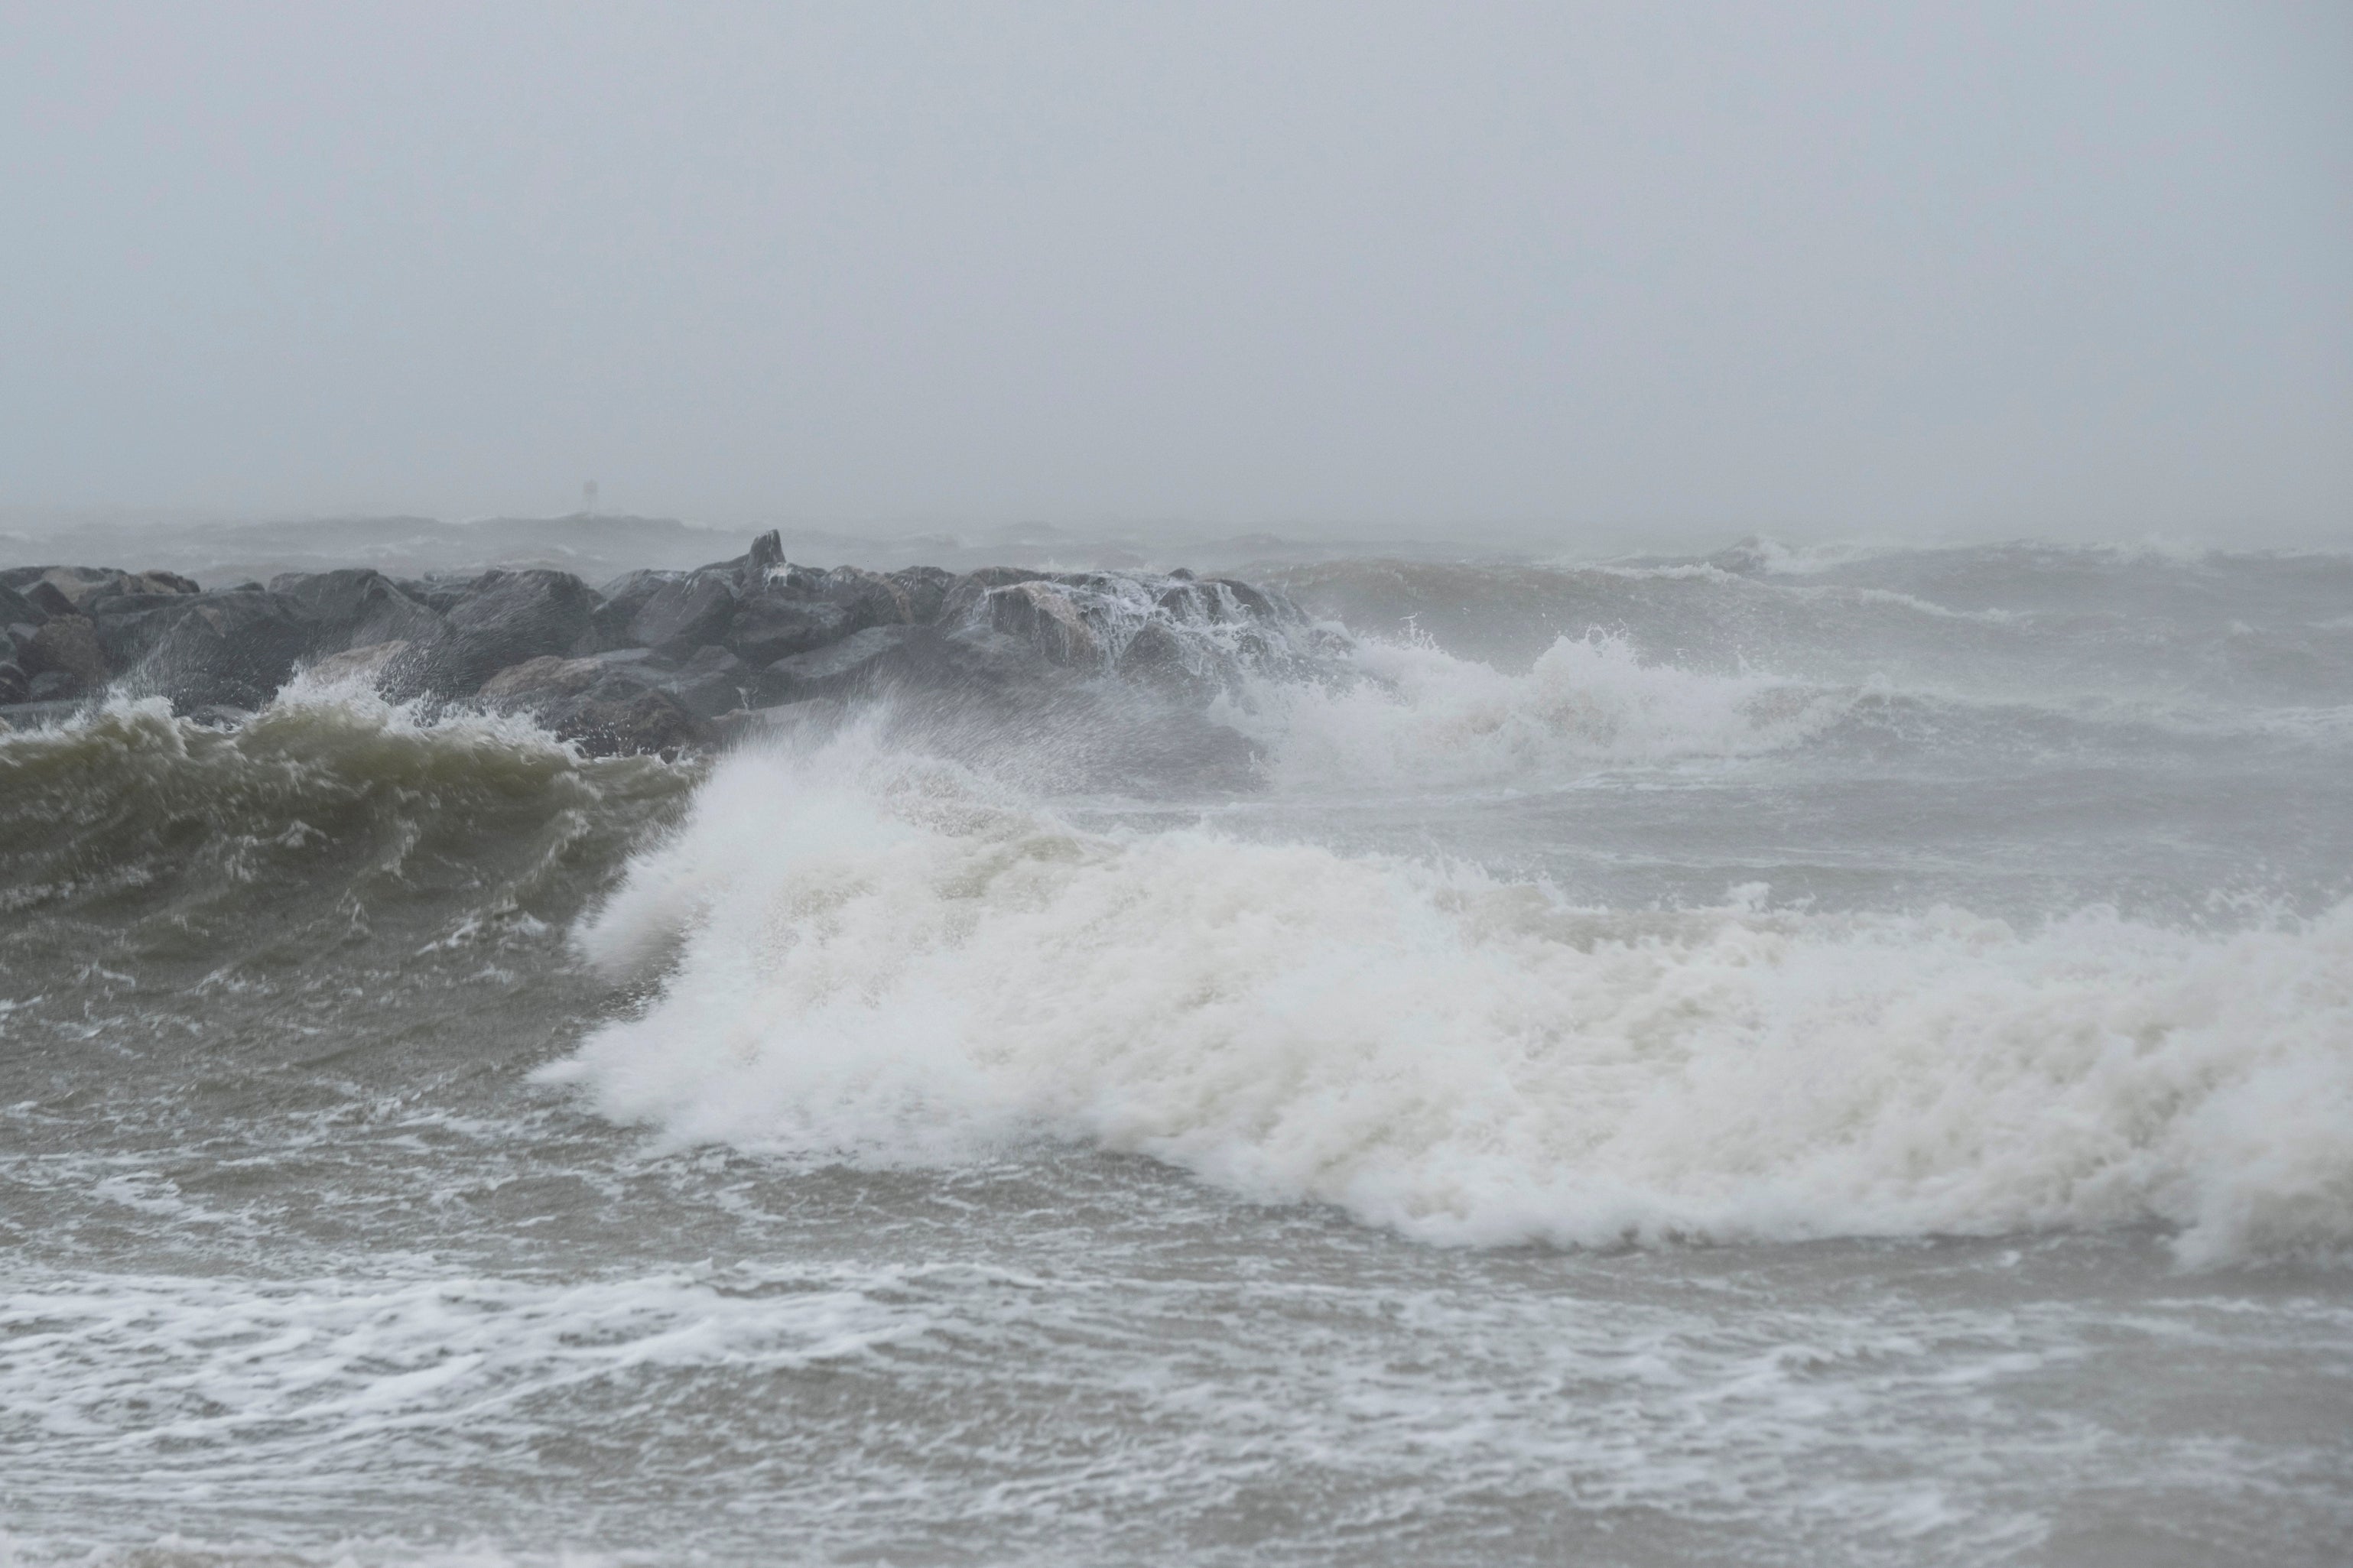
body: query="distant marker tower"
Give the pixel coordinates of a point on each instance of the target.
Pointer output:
(588, 498)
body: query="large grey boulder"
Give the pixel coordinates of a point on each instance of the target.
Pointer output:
(66, 646)
(510, 616)
(832, 671)
(776, 623)
(1048, 620)
(69, 585)
(925, 590)
(710, 683)
(692, 613)
(18, 610)
(232, 649)
(961, 593)
(607, 707)
(622, 598)
(356, 607)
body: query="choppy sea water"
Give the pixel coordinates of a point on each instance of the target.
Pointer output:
(1831, 1059)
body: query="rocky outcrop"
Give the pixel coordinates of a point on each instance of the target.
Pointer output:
(655, 661)
(357, 607)
(509, 617)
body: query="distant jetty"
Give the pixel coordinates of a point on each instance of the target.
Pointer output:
(655, 661)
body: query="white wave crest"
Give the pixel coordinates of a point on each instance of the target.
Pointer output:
(874, 960)
(1588, 702)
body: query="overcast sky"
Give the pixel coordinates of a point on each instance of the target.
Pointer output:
(1876, 269)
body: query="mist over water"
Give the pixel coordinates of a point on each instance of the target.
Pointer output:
(1371, 783)
(1812, 1057)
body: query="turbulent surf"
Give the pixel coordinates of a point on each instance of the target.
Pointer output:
(1812, 1057)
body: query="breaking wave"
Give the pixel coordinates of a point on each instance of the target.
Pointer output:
(1429, 717)
(880, 958)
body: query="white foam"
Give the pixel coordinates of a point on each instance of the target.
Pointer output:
(876, 959)
(1428, 718)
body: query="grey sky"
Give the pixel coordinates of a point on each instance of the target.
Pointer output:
(1818, 269)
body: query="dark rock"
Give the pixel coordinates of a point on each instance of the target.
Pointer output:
(510, 616)
(47, 599)
(775, 625)
(358, 664)
(710, 683)
(439, 594)
(73, 584)
(54, 685)
(766, 553)
(925, 591)
(611, 707)
(686, 615)
(356, 607)
(1046, 619)
(623, 597)
(965, 591)
(830, 672)
(540, 680)
(1156, 657)
(871, 598)
(644, 721)
(67, 646)
(14, 684)
(235, 649)
(17, 610)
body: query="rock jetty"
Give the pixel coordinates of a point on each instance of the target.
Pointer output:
(653, 661)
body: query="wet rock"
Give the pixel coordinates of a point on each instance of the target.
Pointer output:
(1154, 656)
(235, 649)
(710, 683)
(439, 594)
(66, 646)
(962, 594)
(776, 623)
(623, 597)
(1237, 599)
(869, 598)
(1044, 618)
(16, 686)
(356, 607)
(47, 599)
(509, 617)
(767, 553)
(358, 665)
(603, 703)
(830, 672)
(67, 585)
(18, 610)
(925, 591)
(541, 679)
(690, 613)
(643, 722)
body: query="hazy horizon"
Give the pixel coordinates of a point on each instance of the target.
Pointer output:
(1584, 274)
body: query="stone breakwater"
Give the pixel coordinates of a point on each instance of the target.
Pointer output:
(653, 661)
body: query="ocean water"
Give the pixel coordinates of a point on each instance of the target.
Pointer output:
(1784, 1057)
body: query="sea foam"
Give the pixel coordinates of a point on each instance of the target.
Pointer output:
(881, 959)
